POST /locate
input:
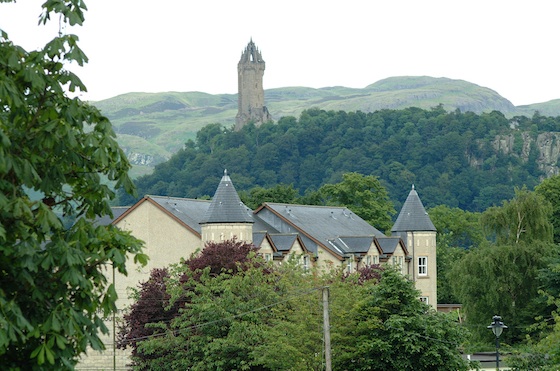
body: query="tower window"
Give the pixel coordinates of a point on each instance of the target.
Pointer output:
(422, 265)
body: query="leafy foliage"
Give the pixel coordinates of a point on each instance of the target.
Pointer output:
(54, 291)
(263, 319)
(154, 308)
(549, 189)
(364, 195)
(457, 230)
(389, 328)
(450, 156)
(526, 218)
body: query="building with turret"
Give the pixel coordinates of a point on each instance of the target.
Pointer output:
(250, 99)
(324, 237)
(414, 227)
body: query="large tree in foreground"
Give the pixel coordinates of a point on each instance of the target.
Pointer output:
(389, 328)
(502, 277)
(54, 151)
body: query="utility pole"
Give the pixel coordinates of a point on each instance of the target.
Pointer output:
(327, 329)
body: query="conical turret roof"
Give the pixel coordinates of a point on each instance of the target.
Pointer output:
(226, 206)
(413, 216)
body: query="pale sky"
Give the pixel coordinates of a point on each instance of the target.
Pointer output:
(511, 47)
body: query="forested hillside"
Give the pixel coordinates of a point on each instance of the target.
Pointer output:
(152, 127)
(457, 159)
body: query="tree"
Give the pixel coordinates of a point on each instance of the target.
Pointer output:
(364, 195)
(502, 277)
(457, 231)
(279, 193)
(389, 328)
(549, 189)
(526, 218)
(153, 310)
(54, 151)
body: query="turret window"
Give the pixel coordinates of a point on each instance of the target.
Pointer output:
(422, 265)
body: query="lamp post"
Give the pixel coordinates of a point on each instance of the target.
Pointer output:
(497, 327)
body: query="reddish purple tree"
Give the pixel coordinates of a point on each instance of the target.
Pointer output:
(366, 273)
(149, 308)
(231, 256)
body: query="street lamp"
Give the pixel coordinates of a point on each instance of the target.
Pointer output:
(497, 327)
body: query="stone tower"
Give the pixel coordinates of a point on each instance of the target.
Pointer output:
(418, 232)
(250, 71)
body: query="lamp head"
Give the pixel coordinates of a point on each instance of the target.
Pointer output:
(497, 326)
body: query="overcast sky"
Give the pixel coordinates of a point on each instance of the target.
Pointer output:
(186, 45)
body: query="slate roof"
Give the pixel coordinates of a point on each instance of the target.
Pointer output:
(283, 242)
(226, 206)
(106, 219)
(187, 210)
(413, 216)
(323, 223)
(389, 244)
(352, 244)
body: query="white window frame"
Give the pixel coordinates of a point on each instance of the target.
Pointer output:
(422, 266)
(424, 299)
(349, 265)
(305, 259)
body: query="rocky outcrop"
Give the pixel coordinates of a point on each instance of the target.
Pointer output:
(143, 159)
(520, 144)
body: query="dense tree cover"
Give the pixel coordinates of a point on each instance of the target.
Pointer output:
(457, 231)
(503, 276)
(54, 292)
(448, 155)
(269, 317)
(388, 328)
(550, 190)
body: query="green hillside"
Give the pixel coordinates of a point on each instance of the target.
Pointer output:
(153, 126)
(466, 160)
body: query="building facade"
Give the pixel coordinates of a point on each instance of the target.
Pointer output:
(320, 236)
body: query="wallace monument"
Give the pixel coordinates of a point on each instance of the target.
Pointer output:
(250, 71)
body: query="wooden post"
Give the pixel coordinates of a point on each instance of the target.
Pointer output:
(326, 329)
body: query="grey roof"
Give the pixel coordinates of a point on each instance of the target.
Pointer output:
(352, 244)
(258, 238)
(413, 216)
(226, 206)
(106, 219)
(187, 210)
(324, 223)
(283, 242)
(388, 244)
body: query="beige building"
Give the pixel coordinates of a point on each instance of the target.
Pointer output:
(320, 236)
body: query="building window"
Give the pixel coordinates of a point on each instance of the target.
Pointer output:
(268, 257)
(401, 263)
(424, 299)
(305, 263)
(368, 260)
(349, 265)
(374, 259)
(422, 265)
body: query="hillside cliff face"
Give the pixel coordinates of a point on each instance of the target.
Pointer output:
(546, 147)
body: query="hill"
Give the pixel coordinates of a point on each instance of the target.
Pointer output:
(153, 126)
(466, 160)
